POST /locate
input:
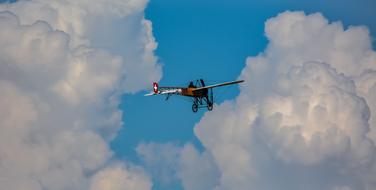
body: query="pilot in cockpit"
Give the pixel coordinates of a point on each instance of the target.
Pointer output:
(191, 85)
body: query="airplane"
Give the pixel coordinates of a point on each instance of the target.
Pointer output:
(202, 95)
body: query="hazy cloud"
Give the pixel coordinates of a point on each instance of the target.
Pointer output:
(60, 93)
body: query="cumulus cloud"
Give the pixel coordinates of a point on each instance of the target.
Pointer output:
(169, 162)
(60, 92)
(117, 26)
(304, 118)
(119, 178)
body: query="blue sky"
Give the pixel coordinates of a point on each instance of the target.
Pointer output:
(196, 39)
(211, 40)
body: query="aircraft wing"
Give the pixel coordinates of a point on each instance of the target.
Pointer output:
(218, 85)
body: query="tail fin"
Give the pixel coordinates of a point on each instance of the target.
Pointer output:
(155, 87)
(155, 90)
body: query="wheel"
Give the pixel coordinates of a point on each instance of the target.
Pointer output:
(194, 108)
(210, 106)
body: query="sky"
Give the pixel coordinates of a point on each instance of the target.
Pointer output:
(211, 40)
(304, 118)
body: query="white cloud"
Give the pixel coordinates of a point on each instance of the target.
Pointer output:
(197, 170)
(74, 17)
(305, 117)
(170, 162)
(117, 26)
(60, 92)
(161, 160)
(119, 178)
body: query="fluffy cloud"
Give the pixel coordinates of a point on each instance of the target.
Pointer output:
(119, 178)
(168, 162)
(304, 118)
(60, 90)
(117, 26)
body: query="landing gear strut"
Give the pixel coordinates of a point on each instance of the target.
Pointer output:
(210, 106)
(203, 98)
(194, 107)
(202, 102)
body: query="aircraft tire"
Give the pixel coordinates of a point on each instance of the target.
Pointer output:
(210, 107)
(194, 108)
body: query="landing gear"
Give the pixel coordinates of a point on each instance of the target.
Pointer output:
(210, 106)
(194, 107)
(202, 98)
(210, 100)
(203, 102)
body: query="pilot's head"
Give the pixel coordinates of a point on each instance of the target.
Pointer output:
(191, 84)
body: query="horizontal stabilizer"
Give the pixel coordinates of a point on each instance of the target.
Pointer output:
(150, 94)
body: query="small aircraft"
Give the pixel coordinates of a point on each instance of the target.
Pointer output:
(201, 95)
